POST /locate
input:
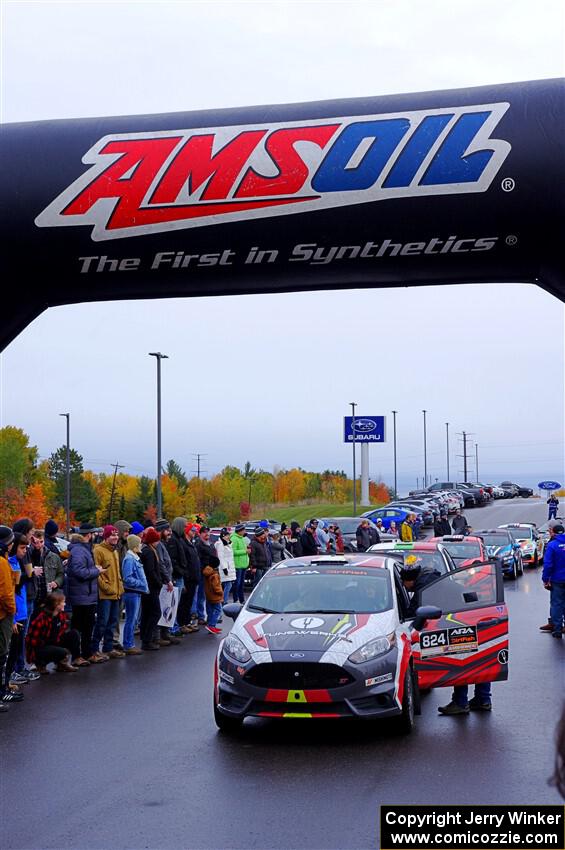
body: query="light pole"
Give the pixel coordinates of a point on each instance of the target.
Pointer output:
(447, 447)
(159, 357)
(68, 472)
(477, 461)
(425, 453)
(394, 412)
(353, 406)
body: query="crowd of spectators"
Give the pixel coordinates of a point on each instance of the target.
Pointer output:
(105, 594)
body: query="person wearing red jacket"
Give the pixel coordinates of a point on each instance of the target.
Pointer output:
(49, 638)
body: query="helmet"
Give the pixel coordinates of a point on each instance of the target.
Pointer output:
(411, 569)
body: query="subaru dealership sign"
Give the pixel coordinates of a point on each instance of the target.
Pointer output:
(368, 429)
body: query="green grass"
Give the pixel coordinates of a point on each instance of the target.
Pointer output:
(302, 513)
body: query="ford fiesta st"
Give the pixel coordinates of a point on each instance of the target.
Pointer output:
(330, 637)
(530, 541)
(500, 545)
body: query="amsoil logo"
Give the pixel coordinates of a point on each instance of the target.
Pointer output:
(141, 183)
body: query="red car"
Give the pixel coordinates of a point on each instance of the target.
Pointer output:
(465, 551)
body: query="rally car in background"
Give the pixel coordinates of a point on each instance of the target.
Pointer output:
(331, 637)
(530, 541)
(501, 546)
(464, 550)
(429, 555)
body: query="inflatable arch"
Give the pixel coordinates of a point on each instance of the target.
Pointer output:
(460, 186)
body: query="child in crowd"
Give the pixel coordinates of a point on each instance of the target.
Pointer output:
(214, 594)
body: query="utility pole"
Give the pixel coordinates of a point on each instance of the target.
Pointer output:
(353, 406)
(447, 447)
(425, 453)
(68, 472)
(159, 357)
(394, 412)
(464, 435)
(477, 461)
(111, 505)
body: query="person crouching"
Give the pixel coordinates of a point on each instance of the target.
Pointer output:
(214, 594)
(49, 638)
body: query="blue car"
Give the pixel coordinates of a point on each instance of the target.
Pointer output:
(388, 515)
(501, 546)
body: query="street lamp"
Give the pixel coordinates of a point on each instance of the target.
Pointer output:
(394, 412)
(159, 357)
(425, 453)
(353, 406)
(68, 472)
(447, 447)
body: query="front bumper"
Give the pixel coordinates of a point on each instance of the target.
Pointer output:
(266, 689)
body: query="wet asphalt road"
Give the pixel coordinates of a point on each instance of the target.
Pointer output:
(126, 755)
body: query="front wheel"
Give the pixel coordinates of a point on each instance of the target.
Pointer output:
(229, 725)
(405, 723)
(514, 574)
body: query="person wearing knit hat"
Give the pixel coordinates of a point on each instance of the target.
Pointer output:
(136, 528)
(110, 591)
(177, 549)
(135, 585)
(51, 528)
(156, 579)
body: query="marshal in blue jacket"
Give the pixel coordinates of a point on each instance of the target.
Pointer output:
(554, 560)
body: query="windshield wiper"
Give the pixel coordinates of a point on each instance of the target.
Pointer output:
(264, 610)
(325, 611)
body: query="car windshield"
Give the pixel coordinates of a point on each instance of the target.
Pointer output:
(521, 533)
(462, 551)
(331, 591)
(495, 539)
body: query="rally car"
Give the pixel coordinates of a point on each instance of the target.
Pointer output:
(465, 550)
(501, 546)
(430, 556)
(330, 637)
(530, 541)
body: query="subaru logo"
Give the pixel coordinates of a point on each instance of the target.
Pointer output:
(364, 426)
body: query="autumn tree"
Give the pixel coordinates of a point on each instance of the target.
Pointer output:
(84, 498)
(17, 459)
(174, 471)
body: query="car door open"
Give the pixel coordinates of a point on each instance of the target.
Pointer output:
(469, 643)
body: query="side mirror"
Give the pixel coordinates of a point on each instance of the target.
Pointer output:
(423, 613)
(232, 610)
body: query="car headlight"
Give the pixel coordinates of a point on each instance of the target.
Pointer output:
(508, 557)
(234, 647)
(371, 650)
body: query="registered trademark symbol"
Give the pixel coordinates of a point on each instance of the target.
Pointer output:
(508, 184)
(511, 240)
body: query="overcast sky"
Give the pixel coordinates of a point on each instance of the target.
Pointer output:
(268, 378)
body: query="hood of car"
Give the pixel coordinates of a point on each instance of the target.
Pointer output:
(506, 549)
(334, 634)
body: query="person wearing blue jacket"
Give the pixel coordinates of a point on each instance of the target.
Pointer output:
(135, 584)
(553, 578)
(82, 589)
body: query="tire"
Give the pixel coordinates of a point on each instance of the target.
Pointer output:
(521, 567)
(514, 574)
(228, 725)
(417, 700)
(405, 723)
